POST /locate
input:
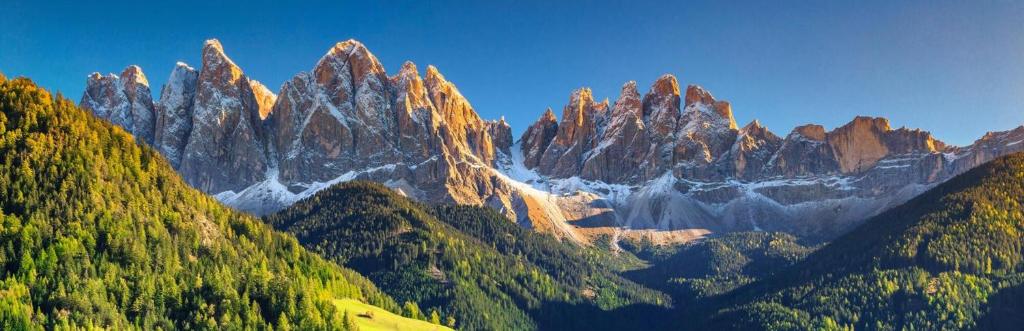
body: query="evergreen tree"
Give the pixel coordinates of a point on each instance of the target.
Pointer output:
(98, 232)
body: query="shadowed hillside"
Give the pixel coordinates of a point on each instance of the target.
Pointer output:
(468, 263)
(948, 259)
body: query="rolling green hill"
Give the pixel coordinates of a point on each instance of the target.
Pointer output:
(949, 259)
(469, 264)
(98, 232)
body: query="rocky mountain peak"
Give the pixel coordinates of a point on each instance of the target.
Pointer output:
(753, 150)
(409, 67)
(174, 112)
(125, 100)
(359, 59)
(548, 116)
(447, 97)
(754, 128)
(410, 87)
(628, 106)
(501, 135)
(348, 69)
(215, 58)
(217, 67)
(699, 99)
(181, 67)
(265, 99)
(696, 94)
(753, 125)
(859, 123)
(225, 148)
(661, 108)
(537, 137)
(212, 45)
(468, 132)
(581, 101)
(133, 74)
(809, 131)
(859, 144)
(434, 75)
(579, 131)
(665, 85)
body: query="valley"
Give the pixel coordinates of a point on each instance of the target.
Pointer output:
(356, 200)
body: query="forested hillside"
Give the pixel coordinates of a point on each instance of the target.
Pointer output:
(473, 267)
(715, 265)
(949, 259)
(97, 232)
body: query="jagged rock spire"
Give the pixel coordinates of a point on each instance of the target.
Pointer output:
(661, 107)
(174, 112)
(699, 99)
(537, 137)
(225, 149)
(124, 100)
(578, 132)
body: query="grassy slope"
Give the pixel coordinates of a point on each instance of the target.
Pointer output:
(372, 318)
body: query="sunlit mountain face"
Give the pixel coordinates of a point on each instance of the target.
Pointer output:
(858, 166)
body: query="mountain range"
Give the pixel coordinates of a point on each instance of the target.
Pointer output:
(670, 164)
(103, 227)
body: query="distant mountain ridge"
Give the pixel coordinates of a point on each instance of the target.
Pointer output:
(949, 259)
(671, 164)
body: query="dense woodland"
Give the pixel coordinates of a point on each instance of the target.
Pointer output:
(98, 232)
(714, 265)
(473, 266)
(950, 259)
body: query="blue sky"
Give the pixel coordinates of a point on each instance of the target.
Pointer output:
(953, 68)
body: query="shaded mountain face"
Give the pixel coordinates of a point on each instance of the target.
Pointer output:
(673, 161)
(948, 259)
(669, 162)
(124, 100)
(464, 261)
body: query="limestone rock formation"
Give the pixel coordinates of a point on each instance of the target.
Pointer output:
(225, 149)
(623, 145)
(664, 164)
(804, 152)
(753, 149)
(174, 112)
(124, 100)
(501, 135)
(537, 137)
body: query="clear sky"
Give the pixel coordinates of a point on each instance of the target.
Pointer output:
(953, 68)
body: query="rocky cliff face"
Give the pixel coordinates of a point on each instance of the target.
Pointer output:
(668, 164)
(665, 164)
(124, 100)
(225, 149)
(344, 119)
(174, 112)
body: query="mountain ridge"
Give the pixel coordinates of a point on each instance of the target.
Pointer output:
(932, 262)
(670, 161)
